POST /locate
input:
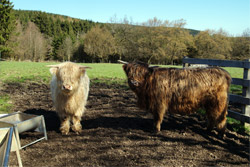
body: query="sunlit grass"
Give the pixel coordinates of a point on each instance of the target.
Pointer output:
(23, 71)
(38, 72)
(101, 72)
(5, 104)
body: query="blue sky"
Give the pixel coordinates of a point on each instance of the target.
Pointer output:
(233, 16)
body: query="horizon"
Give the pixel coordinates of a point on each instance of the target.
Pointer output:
(229, 15)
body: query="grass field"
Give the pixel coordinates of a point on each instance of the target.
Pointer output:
(38, 72)
(103, 72)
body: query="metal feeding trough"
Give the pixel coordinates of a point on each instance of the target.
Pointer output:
(8, 143)
(25, 122)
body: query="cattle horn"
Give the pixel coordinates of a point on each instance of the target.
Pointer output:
(123, 62)
(52, 66)
(85, 67)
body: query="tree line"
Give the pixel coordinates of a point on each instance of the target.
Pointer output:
(40, 36)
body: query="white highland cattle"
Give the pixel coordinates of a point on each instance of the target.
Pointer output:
(69, 88)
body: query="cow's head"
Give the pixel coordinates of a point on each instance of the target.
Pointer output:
(68, 76)
(136, 73)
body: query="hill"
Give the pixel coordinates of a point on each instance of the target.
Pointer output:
(45, 21)
(41, 36)
(52, 24)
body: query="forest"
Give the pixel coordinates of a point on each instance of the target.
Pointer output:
(40, 36)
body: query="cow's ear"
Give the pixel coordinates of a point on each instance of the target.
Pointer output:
(124, 66)
(83, 69)
(53, 69)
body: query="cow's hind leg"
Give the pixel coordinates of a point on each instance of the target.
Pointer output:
(210, 120)
(222, 120)
(216, 115)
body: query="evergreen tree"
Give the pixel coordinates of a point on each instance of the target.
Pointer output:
(7, 21)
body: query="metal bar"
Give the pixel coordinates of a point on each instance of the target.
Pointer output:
(7, 152)
(44, 128)
(17, 136)
(33, 142)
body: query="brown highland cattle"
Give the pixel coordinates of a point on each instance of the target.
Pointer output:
(182, 91)
(69, 90)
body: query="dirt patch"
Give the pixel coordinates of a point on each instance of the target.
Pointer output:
(116, 133)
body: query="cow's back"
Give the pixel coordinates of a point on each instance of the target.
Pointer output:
(185, 90)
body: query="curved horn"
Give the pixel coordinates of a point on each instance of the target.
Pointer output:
(85, 67)
(52, 66)
(123, 62)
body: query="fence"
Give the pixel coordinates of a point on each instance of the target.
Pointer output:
(244, 99)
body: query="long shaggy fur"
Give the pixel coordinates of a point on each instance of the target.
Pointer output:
(181, 91)
(69, 90)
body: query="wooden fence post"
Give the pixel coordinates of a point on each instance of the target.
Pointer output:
(246, 90)
(185, 64)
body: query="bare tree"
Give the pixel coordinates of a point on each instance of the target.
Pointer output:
(31, 44)
(99, 43)
(15, 42)
(66, 49)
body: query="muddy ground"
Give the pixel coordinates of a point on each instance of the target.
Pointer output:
(116, 133)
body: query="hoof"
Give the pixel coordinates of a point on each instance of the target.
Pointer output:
(77, 129)
(222, 133)
(156, 131)
(64, 131)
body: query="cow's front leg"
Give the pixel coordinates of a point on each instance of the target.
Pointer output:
(158, 118)
(76, 127)
(65, 125)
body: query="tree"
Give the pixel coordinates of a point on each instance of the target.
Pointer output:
(99, 43)
(124, 35)
(163, 41)
(213, 45)
(150, 40)
(241, 46)
(7, 21)
(66, 49)
(178, 41)
(28, 44)
(35, 43)
(223, 43)
(15, 43)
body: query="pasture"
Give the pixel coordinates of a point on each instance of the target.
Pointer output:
(115, 132)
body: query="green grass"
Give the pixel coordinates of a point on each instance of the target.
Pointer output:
(5, 104)
(24, 71)
(38, 72)
(235, 73)
(237, 126)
